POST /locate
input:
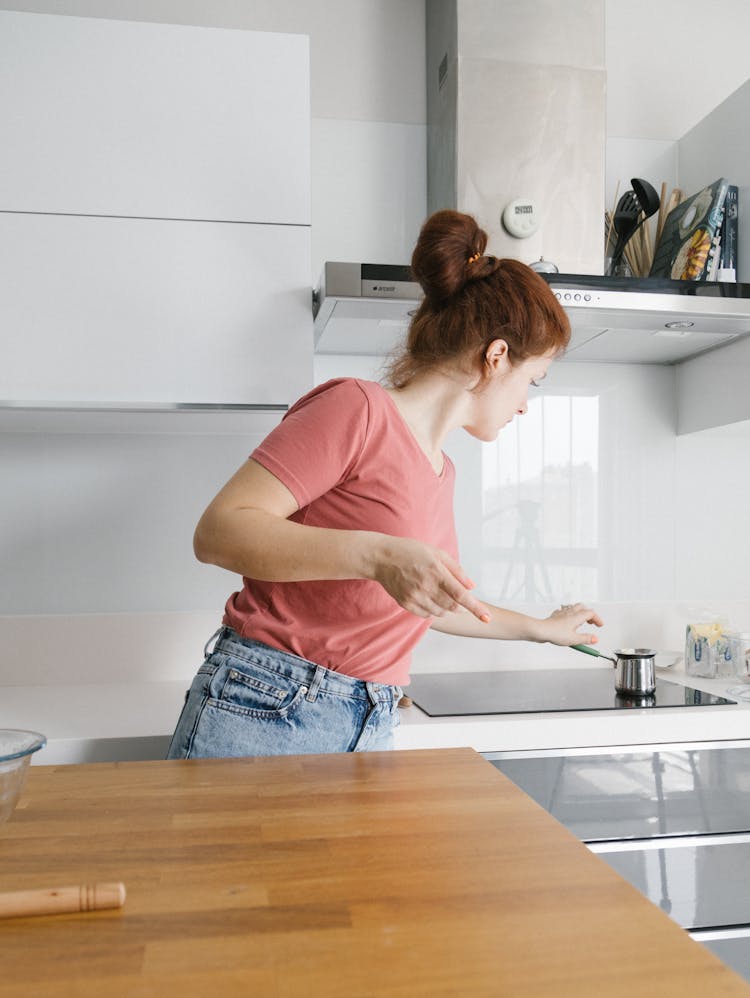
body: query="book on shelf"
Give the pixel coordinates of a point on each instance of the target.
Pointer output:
(690, 239)
(727, 266)
(713, 264)
(714, 254)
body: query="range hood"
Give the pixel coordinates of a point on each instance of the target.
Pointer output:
(362, 308)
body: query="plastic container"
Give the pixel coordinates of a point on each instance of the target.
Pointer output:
(16, 748)
(706, 648)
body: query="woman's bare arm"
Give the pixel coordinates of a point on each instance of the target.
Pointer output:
(560, 628)
(246, 530)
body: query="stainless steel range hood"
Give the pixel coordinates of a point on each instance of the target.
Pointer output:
(364, 308)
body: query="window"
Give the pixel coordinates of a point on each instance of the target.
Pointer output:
(539, 504)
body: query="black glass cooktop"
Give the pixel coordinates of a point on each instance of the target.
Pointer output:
(541, 690)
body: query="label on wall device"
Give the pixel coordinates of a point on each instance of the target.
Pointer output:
(521, 218)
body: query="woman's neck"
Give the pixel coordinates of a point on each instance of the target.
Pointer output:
(432, 405)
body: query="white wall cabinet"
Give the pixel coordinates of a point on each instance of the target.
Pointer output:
(100, 309)
(155, 120)
(154, 213)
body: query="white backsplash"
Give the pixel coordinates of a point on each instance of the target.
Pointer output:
(648, 527)
(592, 496)
(659, 625)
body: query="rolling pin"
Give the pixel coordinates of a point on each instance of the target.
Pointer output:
(54, 900)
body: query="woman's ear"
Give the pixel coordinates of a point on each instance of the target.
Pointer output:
(496, 356)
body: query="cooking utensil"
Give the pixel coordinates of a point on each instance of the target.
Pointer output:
(53, 900)
(648, 199)
(635, 668)
(625, 223)
(643, 200)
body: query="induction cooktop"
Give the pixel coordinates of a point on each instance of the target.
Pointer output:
(541, 690)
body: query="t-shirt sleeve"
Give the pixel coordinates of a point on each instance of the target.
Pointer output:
(318, 441)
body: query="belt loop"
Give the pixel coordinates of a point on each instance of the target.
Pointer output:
(372, 692)
(312, 692)
(206, 652)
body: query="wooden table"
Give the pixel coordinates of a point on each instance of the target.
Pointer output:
(402, 873)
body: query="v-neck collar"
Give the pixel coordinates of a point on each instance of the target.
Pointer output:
(438, 474)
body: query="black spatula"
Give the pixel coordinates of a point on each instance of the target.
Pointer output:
(625, 223)
(646, 202)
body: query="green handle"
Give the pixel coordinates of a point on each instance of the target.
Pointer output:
(588, 650)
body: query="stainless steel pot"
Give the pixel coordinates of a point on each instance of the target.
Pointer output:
(634, 668)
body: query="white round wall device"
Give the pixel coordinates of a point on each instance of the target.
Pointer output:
(521, 218)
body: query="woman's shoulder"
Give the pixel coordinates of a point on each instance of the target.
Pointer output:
(342, 391)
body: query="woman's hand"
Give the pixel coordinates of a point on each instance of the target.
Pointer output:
(561, 627)
(424, 580)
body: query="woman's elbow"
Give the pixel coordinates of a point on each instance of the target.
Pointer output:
(202, 547)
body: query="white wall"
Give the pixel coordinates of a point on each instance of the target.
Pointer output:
(713, 485)
(649, 45)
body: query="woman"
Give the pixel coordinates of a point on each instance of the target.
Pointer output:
(341, 522)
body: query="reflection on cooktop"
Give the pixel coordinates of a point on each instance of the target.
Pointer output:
(542, 690)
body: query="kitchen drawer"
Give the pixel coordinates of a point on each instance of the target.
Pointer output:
(701, 882)
(640, 795)
(731, 949)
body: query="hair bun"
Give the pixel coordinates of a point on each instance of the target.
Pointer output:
(450, 245)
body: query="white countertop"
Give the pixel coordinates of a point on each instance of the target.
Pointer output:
(105, 722)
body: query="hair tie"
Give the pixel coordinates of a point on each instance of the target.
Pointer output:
(473, 259)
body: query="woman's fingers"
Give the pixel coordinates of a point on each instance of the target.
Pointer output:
(426, 581)
(475, 606)
(586, 639)
(581, 613)
(461, 594)
(566, 621)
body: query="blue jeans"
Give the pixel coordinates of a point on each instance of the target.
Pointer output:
(249, 699)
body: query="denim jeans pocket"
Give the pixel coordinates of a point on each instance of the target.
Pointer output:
(241, 687)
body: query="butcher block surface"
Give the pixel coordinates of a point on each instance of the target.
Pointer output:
(397, 873)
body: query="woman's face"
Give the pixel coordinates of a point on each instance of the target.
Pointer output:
(505, 393)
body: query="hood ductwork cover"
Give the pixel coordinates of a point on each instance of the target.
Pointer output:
(366, 309)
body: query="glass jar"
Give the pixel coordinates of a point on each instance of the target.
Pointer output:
(739, 651)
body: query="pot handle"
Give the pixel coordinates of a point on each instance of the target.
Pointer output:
(588, 650)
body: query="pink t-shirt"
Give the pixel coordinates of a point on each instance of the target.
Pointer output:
(352, 463)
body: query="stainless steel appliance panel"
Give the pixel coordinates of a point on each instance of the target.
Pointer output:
(733, 951)
(640, 794)
(699, 886)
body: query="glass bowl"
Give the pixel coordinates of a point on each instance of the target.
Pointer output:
(16, 749)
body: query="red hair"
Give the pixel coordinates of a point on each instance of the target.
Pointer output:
(471, 299)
